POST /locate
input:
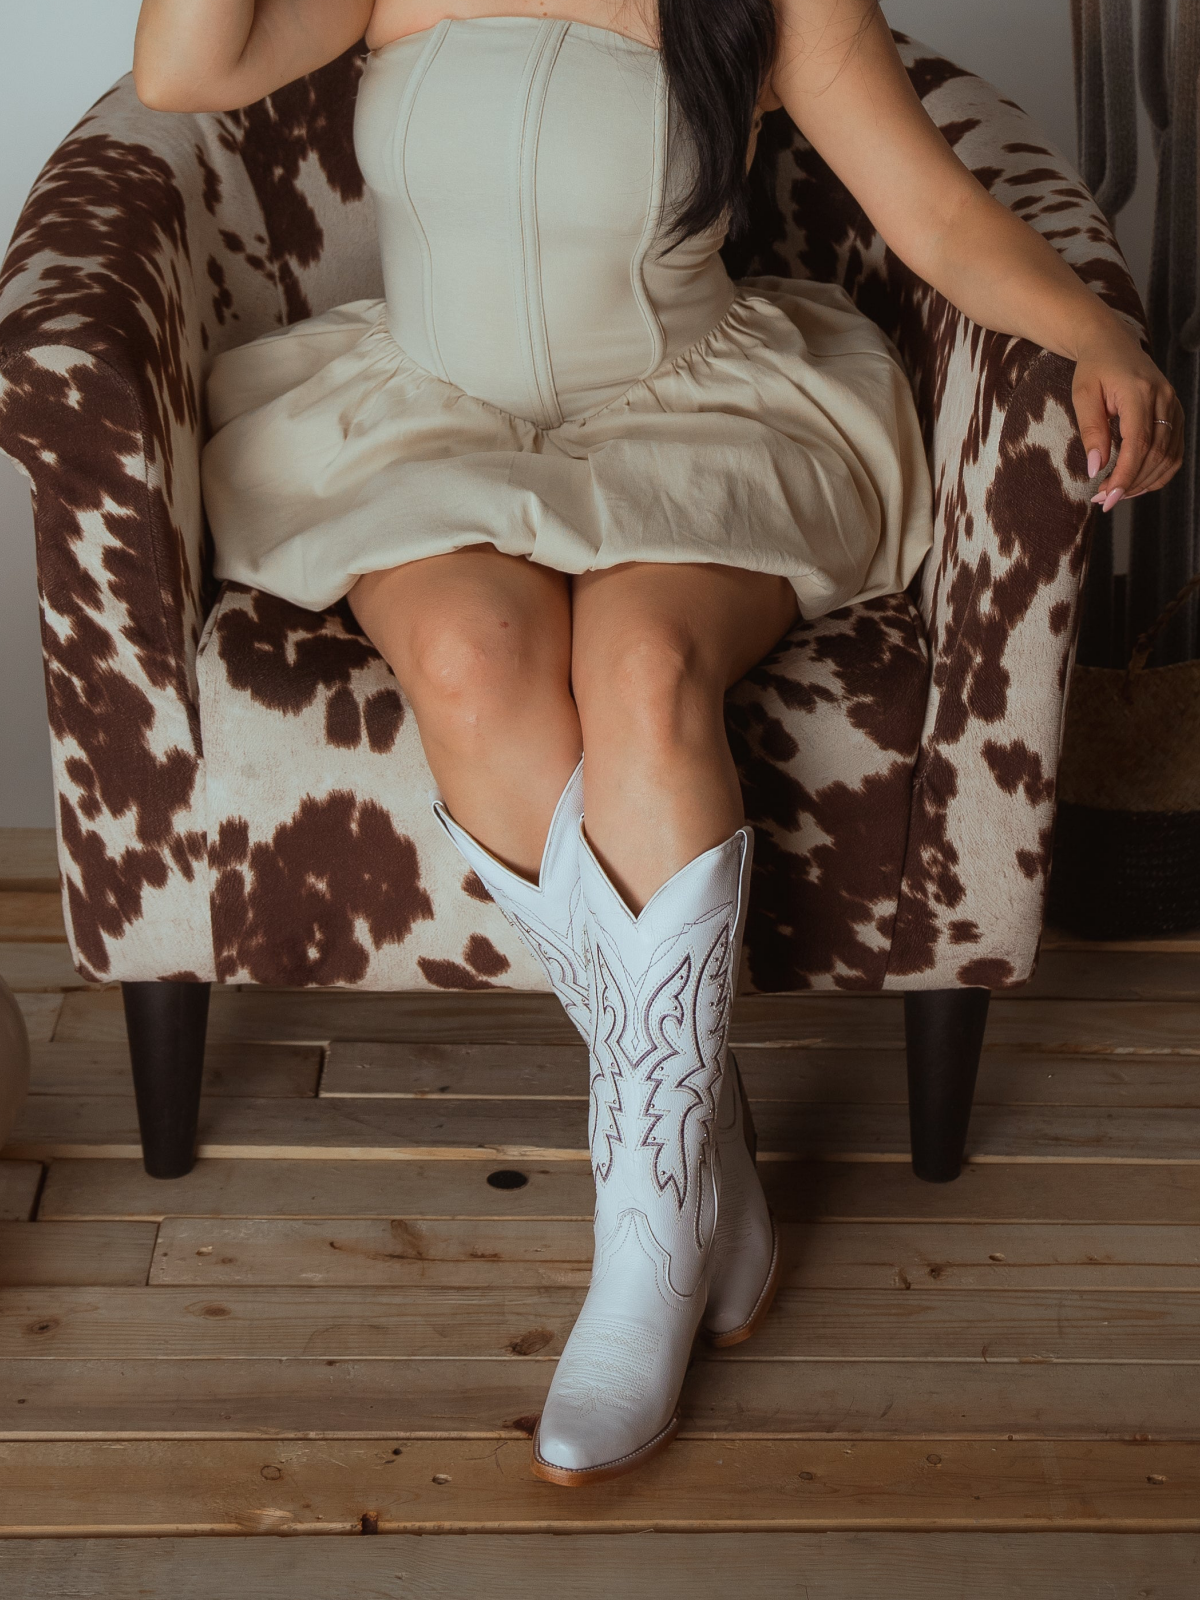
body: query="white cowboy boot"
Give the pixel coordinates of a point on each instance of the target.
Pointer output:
(547, 914)
(661, 986)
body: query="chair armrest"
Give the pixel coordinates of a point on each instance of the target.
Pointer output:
(151, 242)
(1000, 597)
(1000, 590)
(112, 286)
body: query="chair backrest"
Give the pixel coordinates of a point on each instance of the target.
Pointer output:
(318, 243)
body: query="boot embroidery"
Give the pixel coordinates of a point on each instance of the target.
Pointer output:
(564, 965)
(671, 1053)
(612, 1364)
(680, 1110)
(607, 1105)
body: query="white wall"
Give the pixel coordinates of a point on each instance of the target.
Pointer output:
(61, 55)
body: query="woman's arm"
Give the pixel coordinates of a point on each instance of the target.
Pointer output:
(219, 55)
(841, 79)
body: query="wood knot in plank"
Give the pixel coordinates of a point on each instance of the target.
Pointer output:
(528, 1344)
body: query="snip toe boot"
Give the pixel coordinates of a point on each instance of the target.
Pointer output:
(661, 985)
(547, 914)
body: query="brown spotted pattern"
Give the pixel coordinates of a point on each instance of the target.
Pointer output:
(241, 789)
(825, 734)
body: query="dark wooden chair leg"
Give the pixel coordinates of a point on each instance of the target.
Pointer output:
(943, 1030)
(166, 1023)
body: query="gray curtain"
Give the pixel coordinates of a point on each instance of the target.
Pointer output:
(1166, 530)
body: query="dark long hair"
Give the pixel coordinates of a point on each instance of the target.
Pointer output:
(717, 55)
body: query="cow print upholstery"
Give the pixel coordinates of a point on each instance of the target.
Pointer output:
(241, 791)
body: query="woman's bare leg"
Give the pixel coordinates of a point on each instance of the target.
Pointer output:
(481, 644)
(654, 649)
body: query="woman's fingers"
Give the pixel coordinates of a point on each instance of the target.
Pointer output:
(1092, 416)
(1150, 452)
(1167, 456)
(1137, 439)
(1116, 378)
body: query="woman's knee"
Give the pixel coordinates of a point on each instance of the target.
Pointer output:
(651, 680)
(475, 637)
(466, 663)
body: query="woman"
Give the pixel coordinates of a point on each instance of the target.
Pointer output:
(575, 482)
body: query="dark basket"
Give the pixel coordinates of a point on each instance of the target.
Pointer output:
(1125, 874)
(1127, 832)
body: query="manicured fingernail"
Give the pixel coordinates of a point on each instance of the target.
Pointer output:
(1112, 497)
(1097, 498)
(1093, 463)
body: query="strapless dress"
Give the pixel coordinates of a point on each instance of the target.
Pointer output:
(544, 374)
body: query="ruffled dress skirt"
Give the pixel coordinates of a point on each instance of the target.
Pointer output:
(784, 441)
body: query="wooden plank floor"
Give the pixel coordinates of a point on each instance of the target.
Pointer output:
(345, 1318)
(582, 1566)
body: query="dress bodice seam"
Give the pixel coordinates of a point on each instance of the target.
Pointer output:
(400, 157)
(654, 204)
(531, 309)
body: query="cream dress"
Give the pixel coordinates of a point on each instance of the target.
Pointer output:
(543, 374)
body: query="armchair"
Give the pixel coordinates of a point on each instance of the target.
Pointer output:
(242, 796)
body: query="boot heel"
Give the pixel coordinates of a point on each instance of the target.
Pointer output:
(749, 1131)
(732, 1336)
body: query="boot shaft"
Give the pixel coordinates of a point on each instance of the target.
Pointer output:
(661, 986)
(547, 914)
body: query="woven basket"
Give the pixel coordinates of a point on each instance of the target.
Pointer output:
(1127, 836)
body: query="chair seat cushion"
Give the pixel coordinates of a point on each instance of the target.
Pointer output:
(327, 866)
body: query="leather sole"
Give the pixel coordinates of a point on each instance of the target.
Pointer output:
(732, 1336)
(577, 1477)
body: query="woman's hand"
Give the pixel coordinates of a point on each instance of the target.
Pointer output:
(1114, 377)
